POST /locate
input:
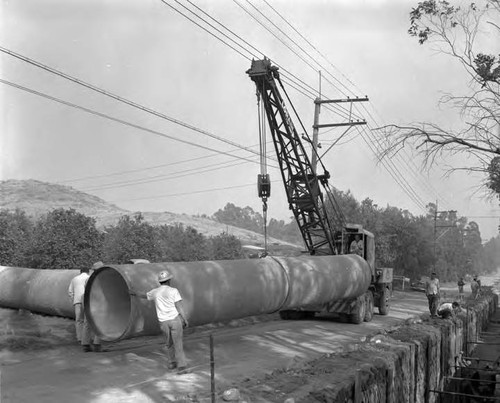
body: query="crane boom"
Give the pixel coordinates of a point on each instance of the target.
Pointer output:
(302, 184)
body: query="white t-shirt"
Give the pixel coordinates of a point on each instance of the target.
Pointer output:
(165, 298)
(77, 288)
(447, 306)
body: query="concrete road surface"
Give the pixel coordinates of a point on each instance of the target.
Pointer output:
(136, 370)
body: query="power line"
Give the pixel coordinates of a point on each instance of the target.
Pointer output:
(173, 175)
(309, 43)
(206, 30)
(147, 168)
(390, 166)
(123, 100)
(290, 39)
(191, 193)
(123, 122)
(298, 81)
(411, 194)
(340, 108)
(313, 47)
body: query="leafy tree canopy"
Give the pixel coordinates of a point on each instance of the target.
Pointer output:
(64, 239)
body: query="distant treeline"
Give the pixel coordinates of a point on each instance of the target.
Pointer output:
(66, 239)
(413, 245)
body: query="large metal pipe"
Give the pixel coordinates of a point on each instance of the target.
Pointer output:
(43, 291)
(217, 291)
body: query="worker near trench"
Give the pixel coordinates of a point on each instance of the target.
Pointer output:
(432, 290)
(171, 317)
(449, 310)
(76, 291)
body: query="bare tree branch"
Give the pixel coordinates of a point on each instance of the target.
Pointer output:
(460, 33)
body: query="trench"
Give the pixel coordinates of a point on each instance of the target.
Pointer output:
(425, 360)
(422, 360)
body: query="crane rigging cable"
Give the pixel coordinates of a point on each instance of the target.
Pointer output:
(263, 180)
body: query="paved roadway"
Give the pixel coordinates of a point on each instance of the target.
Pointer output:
(135, 370)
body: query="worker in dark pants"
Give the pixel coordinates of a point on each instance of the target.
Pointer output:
(171, 317)
(461, 284)
(432, 292)
(76, 292)
(449, 310)
(90, 340)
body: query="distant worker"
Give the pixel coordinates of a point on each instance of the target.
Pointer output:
(171, 317)
(432, 292)
(76, 292)
(449, 310)
(357, 246)
(461, 284)
(475, 287)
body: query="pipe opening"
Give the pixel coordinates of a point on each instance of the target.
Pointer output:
(109, 306)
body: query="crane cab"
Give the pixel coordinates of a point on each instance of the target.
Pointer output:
(356, 240)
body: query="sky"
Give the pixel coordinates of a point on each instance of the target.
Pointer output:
(194, 158)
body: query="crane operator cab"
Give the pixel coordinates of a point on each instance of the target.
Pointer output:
(358, 241)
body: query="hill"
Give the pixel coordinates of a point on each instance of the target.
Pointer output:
(38, 198)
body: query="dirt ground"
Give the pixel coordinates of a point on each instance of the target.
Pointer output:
(40, 360)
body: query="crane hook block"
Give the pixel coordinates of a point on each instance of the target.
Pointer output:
(264, 185)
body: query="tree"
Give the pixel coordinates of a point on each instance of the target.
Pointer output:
(460, 33)
(240, 217)
(131, 238)
(225, 246)
(64, 239)
(16, 230)
(177, 243)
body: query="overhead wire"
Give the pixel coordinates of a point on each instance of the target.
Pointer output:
(170, 176)
(393, 174)
(123, 100)
(413, 171)
(131, 103)
(193, 192)
(188, 160)
(390, 165)
(377, 148)
(312, 46)
(206, 30)
(298, 82)
(339, 108)
(121, 121)
(293, 42)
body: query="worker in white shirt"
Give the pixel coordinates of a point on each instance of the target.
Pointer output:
(171, 317)
(449, 309)
(432, 290)
(76, 292)
(357, 246)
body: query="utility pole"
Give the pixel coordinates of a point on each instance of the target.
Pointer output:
(436, 212)
(317, 105)
(316, 126)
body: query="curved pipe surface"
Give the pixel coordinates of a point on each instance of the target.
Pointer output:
(218, 291)
(43, 291)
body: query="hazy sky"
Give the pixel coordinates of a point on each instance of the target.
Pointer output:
(144, 51)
